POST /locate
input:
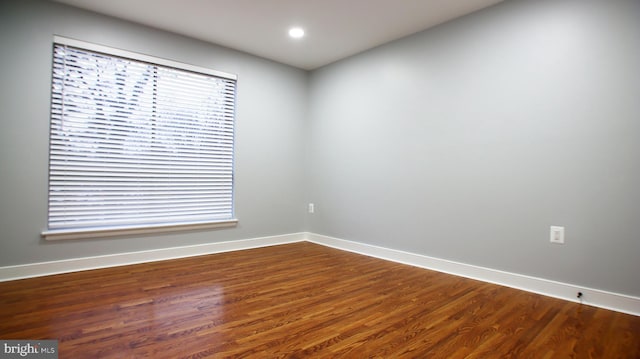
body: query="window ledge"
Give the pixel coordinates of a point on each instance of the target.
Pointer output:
(99, 232)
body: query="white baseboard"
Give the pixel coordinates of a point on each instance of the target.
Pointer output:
(594, 297)
(120, 259)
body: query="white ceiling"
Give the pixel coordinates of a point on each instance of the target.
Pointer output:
(335, 29)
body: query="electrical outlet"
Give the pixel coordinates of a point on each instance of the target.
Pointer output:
(556, 235)
(311, 208)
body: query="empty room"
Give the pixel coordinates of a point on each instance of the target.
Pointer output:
(323, 179)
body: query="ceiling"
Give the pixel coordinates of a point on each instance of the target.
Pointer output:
(335, 29)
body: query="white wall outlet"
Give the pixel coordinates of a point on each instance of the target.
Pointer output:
(556, 235)
(311, 208)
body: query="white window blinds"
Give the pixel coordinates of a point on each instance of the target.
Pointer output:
(136, 143)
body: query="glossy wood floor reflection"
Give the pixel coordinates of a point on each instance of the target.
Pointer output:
(302, 300)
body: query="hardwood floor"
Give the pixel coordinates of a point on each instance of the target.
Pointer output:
(302, 300)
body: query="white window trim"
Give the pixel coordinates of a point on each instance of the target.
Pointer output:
(100, 232)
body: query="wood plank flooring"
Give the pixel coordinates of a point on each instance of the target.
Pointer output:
(297, 301)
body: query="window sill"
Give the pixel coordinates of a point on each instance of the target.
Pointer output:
(100, 232)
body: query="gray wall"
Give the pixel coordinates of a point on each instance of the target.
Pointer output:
(467, 141)
(270, 124)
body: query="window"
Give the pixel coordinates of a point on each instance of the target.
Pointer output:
(137, 144)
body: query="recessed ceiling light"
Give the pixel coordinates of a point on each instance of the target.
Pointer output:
(296, 32)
